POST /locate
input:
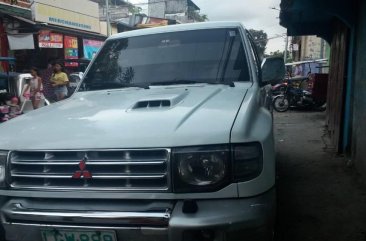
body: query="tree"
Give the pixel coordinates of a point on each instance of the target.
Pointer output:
(276, 53)
(281, 54)
(196, 16)
(202, 18)
(134, 10)
(260, 39)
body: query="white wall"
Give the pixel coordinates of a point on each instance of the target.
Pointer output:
(103, 28)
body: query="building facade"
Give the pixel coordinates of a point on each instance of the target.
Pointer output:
(183, 11)
(37, 31)
(309, 47)
(343, 25)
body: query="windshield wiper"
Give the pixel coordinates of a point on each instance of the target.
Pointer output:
(187, 82)
(114, 85)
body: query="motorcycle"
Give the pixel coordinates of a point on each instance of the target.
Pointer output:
(290, 96)
(279, 89)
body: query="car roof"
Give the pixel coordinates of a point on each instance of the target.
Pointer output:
(178, 28)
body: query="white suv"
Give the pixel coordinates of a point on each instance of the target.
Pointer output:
(168, 137)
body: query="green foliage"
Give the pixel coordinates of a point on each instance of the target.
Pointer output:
(260, 39)
(201, 17)
(196, 16)
(276, 53)
(281, 54)
(134, 9)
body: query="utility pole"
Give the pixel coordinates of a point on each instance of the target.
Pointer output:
(108, 19)
(286, 44)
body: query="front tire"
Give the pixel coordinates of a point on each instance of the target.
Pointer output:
(281, 103)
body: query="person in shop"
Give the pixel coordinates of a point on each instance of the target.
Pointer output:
(36, 88)
(48, 90)
(59, 81)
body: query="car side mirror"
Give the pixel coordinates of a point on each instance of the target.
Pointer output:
(273, 70)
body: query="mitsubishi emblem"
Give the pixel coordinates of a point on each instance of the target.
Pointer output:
(82, 173)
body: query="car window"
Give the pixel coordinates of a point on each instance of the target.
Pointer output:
(212, 56)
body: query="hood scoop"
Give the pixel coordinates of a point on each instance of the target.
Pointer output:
(159, 101)
(152, 104)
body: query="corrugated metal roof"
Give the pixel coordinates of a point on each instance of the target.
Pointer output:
(15, 10)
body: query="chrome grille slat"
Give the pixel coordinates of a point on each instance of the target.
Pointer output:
(95, 176)
(89, 163)
(129, 170)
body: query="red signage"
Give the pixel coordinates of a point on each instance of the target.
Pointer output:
(47, 39)
(71, 50)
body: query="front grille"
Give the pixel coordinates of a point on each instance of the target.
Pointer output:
(130, 170)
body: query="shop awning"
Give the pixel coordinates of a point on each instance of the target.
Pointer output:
(314, 17)
(15, 10)
(25, 20)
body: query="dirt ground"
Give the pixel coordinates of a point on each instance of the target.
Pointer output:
(320, 197)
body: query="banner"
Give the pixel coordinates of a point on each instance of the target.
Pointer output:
(21, 41)
(91, 47)
(71, 50)
(47, 39)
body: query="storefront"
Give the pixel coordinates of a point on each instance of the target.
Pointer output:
(19, 8)
(56, 44)
(67, 31)
(49, 31)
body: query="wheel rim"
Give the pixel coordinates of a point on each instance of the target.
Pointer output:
(281, 104)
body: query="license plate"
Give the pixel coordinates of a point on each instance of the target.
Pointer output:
(77, 235)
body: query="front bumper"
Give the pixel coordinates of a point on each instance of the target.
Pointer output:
(223, 219)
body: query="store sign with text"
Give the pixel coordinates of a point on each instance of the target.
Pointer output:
(47, 39)
(71, 50)
(83, 16)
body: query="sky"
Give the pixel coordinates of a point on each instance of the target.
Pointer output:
(255, 14)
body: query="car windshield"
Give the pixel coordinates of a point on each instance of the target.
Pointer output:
(213, 56)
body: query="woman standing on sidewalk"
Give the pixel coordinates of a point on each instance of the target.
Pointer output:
(36, 88)
(59, 81)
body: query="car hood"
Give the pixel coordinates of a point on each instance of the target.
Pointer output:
(129, 118)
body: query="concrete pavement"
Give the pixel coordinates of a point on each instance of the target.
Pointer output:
(319, 197)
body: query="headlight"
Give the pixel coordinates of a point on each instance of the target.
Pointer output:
(198, 169)
(3, 159)
(247, 161)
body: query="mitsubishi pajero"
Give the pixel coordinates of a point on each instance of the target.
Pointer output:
(168, 137)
